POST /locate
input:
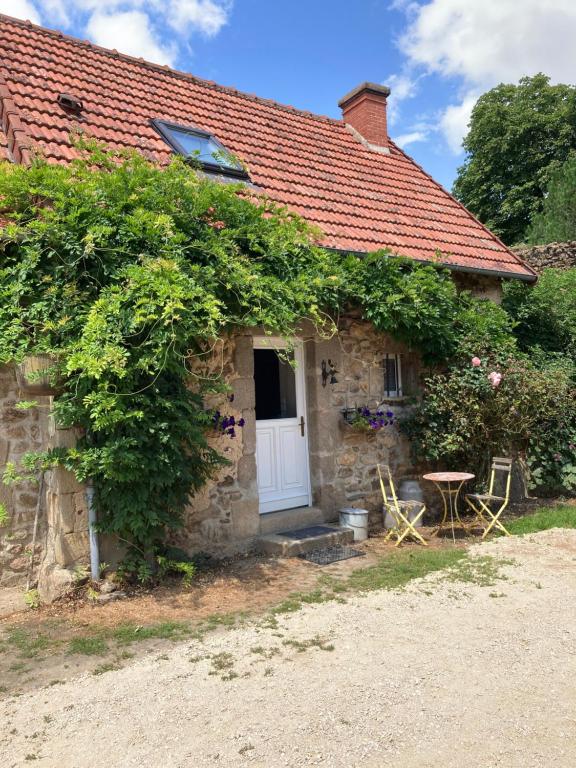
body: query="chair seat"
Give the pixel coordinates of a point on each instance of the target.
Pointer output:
(484, 497)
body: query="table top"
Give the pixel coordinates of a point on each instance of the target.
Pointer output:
(448, 477)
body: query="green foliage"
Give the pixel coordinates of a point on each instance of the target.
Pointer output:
(126, 273)
(4, 516)
(464, 419)
(518, 135)
(556, 222)
(186, 568)
(545, 313)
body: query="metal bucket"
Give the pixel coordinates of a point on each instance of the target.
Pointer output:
(357, 520)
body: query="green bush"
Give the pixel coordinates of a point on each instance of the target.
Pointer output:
(468, 414)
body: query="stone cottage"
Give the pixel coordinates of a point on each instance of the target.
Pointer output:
(295, 461)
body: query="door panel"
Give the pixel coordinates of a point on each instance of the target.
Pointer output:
(281, 448)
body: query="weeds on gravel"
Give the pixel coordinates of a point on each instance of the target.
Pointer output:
(223, 665)
(108, 666)
(305, 645)
(484, 571)
(543, 519)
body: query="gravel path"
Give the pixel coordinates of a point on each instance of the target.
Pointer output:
(441, 674)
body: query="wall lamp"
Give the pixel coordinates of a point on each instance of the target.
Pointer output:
(329, 373)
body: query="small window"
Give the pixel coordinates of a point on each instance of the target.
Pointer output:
(201, 146)
(392, 376)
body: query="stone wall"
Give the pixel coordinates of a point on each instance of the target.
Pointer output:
(223, 517)
(343, 461)
(557, 255)
(20, 431)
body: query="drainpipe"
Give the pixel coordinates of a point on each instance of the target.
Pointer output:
(94, 553)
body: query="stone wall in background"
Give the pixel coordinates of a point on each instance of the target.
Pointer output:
(557, 255)
(20, 431)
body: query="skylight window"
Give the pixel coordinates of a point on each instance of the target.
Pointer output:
(198, 145)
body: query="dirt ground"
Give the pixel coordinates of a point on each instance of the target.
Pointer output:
(449, 671)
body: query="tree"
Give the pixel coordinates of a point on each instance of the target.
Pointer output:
(518, 135)
(556, 222)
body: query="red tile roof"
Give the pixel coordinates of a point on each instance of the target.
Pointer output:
(361, 199)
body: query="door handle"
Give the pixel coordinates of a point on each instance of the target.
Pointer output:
(302, 425)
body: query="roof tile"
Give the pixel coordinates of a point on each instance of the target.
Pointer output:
(362, 200)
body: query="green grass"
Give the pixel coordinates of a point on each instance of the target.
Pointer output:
(543, 519)
(124, 634)
(399, 568)
(30, 644)
(88, 646)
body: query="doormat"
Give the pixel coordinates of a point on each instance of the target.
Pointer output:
(308, 533)
(331, 554)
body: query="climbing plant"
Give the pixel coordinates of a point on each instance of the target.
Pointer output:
(125, 273)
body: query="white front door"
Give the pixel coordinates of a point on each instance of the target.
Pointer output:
(281, 442)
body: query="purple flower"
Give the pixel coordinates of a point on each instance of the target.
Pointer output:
(241, 422)
(232, 432)
(231, 398)
(390, 414)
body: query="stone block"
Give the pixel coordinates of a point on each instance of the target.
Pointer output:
(54, 582)
(246, 471)
(71, 548)
(244, 356)
(244, 393)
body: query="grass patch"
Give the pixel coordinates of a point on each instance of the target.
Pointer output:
(483, 571)
(124, 634)
(542, 520)
(88, 646)
(399, 568)
(30, 644)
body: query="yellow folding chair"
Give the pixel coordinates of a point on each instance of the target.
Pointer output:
(401, 511)
(481, 503)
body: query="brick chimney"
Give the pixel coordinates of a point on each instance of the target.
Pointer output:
(364, 111)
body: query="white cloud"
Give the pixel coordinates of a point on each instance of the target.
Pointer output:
(480, 43)
(21, 9)
(129, 32)
(153, 29)
(454, 121)
(206, 16)
(410, 138)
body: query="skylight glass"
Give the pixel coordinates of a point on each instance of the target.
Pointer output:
(200, 146)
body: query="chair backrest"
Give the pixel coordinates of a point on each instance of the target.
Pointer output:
(384, 468)
(500, 464)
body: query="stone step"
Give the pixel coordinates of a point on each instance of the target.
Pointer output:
(290, 519)
(292, 543)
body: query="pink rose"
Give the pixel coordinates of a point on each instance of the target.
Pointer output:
(476, 362)
(495, 378)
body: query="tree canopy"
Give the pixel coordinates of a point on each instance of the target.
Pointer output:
(556, 222)
(518, 136)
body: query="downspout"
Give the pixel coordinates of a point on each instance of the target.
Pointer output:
(93, 535)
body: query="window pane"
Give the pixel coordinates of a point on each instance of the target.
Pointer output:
(203, 148)
(275, 384)
(390, 376)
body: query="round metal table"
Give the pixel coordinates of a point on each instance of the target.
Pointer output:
(449, 485)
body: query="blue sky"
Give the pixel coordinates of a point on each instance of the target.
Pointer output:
(436, 55)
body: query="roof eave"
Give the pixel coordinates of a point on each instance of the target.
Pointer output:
(527, 278)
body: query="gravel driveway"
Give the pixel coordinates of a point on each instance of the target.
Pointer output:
(442, 674)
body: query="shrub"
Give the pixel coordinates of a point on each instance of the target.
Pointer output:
(483, 408)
